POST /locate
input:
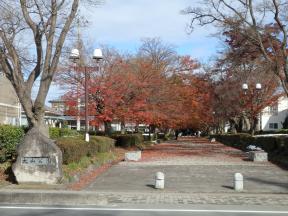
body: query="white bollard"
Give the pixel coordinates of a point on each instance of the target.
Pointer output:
(87, 138)
(238, 182)
(159, 180)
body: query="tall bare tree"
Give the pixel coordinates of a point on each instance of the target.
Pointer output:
(32, 36)
(263, 24)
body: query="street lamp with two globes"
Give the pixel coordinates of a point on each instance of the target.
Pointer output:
(74, 56)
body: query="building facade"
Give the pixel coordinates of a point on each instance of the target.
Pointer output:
(272, 117)
(11, 111)
(10, 108)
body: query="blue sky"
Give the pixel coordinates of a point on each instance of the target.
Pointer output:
(122, 24)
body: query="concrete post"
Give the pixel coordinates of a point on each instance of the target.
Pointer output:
(78, 118)
(159, 180)
(238, 182)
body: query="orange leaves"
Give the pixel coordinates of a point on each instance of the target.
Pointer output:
(156, 87)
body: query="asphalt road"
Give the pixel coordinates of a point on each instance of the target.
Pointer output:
(74, 211)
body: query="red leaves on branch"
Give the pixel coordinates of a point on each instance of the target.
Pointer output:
(139, 91)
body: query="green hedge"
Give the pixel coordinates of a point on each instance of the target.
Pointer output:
(280, 131)
(10, 137)
(74, 148)
(128, 140)
(56, 133)
(276, 146)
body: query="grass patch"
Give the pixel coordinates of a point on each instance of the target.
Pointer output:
(98, 160)
(4, 175)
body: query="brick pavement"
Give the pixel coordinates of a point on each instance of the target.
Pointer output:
(196, 172)
(192, 166)
(194, 198)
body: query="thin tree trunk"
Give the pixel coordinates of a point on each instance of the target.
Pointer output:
(108, 128)
(122, 127)
(232, 126)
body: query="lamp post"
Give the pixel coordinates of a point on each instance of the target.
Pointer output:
(97, 55)
(258, 88)
(245, 87)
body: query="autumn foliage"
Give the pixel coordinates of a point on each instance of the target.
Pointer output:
(161, 90)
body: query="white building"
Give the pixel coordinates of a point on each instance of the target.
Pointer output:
(10, 108)
(272, 117)
(11, 111)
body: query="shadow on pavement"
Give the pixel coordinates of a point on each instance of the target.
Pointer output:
(279, 184)
(228, 187)
(150, 186)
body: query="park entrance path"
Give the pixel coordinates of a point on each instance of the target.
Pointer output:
(192, 165)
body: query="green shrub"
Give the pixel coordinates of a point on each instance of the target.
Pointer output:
(104, 144)
(283, 131)
(66, 132)
(128, 140)
(280, 131)
(276, 146)
(161, 136)
(149, 138)
(10, 137)
(56, 133)
(269, 144)
(74, 148)
(96, 133)
(240, 141)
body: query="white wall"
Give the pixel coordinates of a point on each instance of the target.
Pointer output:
(268, 118)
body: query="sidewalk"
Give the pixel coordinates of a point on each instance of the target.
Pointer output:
(192, 166)
(153, 198)
(196, 172)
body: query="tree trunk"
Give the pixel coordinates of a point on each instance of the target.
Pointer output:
(254, 124)
(108, 128)
(233, 126)
(247, 124)
(122, 127)
(137, 128)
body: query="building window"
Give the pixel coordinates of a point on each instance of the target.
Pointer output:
(273, 110)
(273, 125)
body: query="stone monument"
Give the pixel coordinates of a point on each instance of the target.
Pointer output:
(39, 160)
(258, 156)
(133, 156)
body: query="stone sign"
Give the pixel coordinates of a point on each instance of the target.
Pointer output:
(39, 160)
(258, 156)
(133, 156)
(36, 161)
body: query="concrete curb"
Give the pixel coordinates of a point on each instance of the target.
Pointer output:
(51, 198)
(76, 198)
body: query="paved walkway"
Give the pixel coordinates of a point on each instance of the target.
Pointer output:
(196, 171)
(192, 165)
(154, 199)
